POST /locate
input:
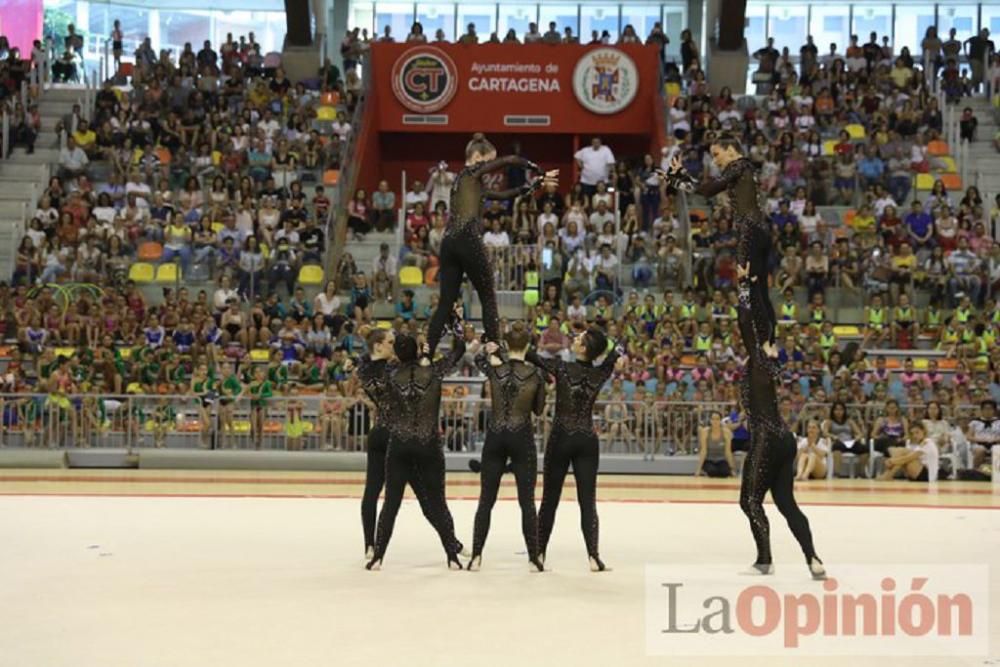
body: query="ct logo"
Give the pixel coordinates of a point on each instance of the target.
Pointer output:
(605, 80)
(424, 79)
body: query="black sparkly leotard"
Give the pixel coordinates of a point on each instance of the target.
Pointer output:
(573, 440)
(462, 251)
(413, 401)
(770, 462)
(754, 234)
(517, 390)
(374, 378)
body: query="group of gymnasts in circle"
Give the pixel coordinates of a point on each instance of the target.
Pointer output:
(404, 380)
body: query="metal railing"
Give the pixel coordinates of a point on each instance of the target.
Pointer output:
(512, 264)
(333, 422)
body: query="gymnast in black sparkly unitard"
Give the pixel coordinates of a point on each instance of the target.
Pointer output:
(517, 389)
(462, 250)
(415, 456)
(373, 376)
(573, 439)
(770, 461)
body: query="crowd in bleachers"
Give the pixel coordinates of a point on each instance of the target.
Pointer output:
(208, 167)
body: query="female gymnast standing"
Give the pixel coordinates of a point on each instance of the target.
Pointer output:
(373, 377)
(517, 389)
(415, 456)
(573, 439)
(462, 251)
(771, 458)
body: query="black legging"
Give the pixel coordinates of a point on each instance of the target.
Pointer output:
(419, 464)
(519, 446)
(770, 466)
(378, 443)
(583, 451)
(463, 254)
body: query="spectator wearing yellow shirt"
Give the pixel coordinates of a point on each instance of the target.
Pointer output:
(904, 264)
(86, 138)
(864, 224)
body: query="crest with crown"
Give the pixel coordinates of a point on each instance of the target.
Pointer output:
(606, 60)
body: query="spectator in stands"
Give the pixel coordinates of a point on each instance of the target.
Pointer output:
(963, 272)
(977, 48)
(596, 163)
(983, 432)
(813, 451)
(73, 160)
(715, 454)
(384, 273)
(470, 36)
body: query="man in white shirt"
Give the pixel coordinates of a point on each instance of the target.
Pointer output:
(983, 432)
(547, 217)
(341, 127)
(416, 196)
(605, 269)
(72, 160)
(496, 237)
(599, 217)
(596, 163)
(532, 35)
(138, 188)
(270, 126)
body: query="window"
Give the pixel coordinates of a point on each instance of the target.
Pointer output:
(176, 28)
(484, 17)
(788, 25)
(829, 25)
(674, 23)
(598, 18)
(397, 15)
(642, 18)
(756, 30)
(517, 18)
(991, 20)
(872, 18)
(963, 18)
(563, 15)
(362, 16)
(437, 16)
(912, 22)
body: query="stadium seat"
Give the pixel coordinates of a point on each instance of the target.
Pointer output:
(310, 274)
(925, 181)
(150, 251)
(383, 324)
(855, 131)
(141, 272)
(411, 276)
(217, 227)
(331, 98)
(431, 276)
(849, 217)
(938, 148)
(168, 273)
(126, 69)
(949, 165)
(259, 356)
(241, 426)
(952, 182)
(326, 113)
(65, 352)
(830, 146)
(163, 155)
(846, 330)
(331, 176)
(672, 89)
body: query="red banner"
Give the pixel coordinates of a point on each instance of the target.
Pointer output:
(21, 23)
(517, 88)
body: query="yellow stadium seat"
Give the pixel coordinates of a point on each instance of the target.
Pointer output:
(383, 324)
(308, 427)
(410, 276)
(673, 89)
(125, 352)
(920, 363)
(829, 146)
(952, 182)
(938, 148)
(141, 272)
(168, 273)
(65, 352)
(855, 131)
(241, 426)
(259, 356)
(925, 181)
(846, 330)
(310, 274)
(949, 164)
(326, 113)
(217, 227)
